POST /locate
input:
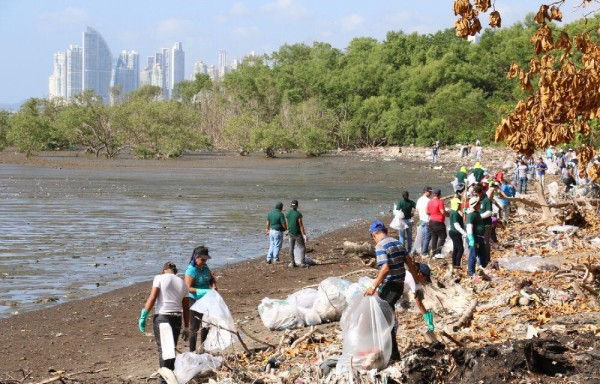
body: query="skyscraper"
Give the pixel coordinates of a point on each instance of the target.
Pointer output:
(97, 64)
(199, 68)
(74, 71)
(126, 72)
(57, 86)
(177, 65)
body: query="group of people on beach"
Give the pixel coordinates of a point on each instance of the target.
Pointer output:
(276, 225)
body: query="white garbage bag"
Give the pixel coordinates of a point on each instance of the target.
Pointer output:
(366, 330)
(331, 300)
(189, 364)
(303, 300)
(216, 312)
(277, 314)
(357, 289)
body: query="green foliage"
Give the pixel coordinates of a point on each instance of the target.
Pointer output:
(187, 90)
(4, 127)
(34, 127)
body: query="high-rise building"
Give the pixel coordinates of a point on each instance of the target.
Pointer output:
(199, 68)
(145, 76)
(126, 72)
(157, 78)
(57, 86)
(74, 71)
(97, 64)
(177, 65)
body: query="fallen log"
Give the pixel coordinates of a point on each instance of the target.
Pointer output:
(464, 319)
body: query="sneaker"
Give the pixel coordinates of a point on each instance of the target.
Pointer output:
(269, 261)
(276, 261)
(292, 265)
(303, 265)
(439, 256)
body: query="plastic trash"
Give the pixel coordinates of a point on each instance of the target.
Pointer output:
(366, 330)
(563, 229)
(189, 364)
(331, 300)
(447, 248)
(528, 263)
(359, 288)
(303, 300)
(277, 314)
(166, 341)
(416, 247)
(216, 312)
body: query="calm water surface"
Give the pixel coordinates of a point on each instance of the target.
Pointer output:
(75, 233)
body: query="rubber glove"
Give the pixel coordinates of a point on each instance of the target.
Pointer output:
(429, 320)
(185, 335)
(471, 240)
(142, 320)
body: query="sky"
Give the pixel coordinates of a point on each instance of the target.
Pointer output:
(31, 31)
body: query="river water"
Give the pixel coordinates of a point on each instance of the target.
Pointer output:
(74, 233)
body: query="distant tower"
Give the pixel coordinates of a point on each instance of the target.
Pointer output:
(74, 71)
(223, 67)
(177, 65)
(57, 86)
(199, 68)
(97, 64)
(126, 72)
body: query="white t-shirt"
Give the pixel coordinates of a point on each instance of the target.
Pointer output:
(172, 291)
(422, 208)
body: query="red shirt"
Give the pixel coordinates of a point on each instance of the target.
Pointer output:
(433, 208)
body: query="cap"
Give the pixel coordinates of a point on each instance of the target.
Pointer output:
(427, 189)
(437, 192)
(473, 201)
(377, 226)
(294, 203)
(201, 251)
(425, 270)
(278, 205)
(460, 187)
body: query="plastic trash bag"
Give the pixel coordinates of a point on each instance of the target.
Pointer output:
(447, 248)
(563, 229)
(303, 300)
(356, 289)
(528, 263)
(416, 246)
(331, 300)
(189, 364)
(216, 312)
(277, 314)
(552, 189)
(366, 330)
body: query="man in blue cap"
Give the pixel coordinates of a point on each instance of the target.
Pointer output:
(392, 259)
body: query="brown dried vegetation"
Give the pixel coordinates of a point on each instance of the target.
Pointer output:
(567, 93)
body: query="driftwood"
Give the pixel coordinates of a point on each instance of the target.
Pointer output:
(546, 213)
(464, 319)
(62, 377)
(236, 333)
(255, 339)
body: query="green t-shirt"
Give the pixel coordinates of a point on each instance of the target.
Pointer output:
(475, 219)
(478, 173)
(456, 217)
(460, 177)
(486, 206)
(276, 220)
(293, 216)
(406, 206)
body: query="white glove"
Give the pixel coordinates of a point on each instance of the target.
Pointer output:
(305, 238)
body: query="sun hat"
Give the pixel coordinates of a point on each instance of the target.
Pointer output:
(376, 226)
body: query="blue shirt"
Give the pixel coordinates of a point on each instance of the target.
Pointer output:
(201, 280)
(541, 168)
(508, 191)
(390, 251)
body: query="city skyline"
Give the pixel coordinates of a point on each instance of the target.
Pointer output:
(38, 30)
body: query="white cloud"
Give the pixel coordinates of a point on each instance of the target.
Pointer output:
(285, 9)
(245, 33)
(174, 28)
(351, 22)
(238, 9)
(70, 16)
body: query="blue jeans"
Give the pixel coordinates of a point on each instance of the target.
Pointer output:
(408, 238)
(522, 184)
(477, 252)
(425, 237)
(276, 241)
